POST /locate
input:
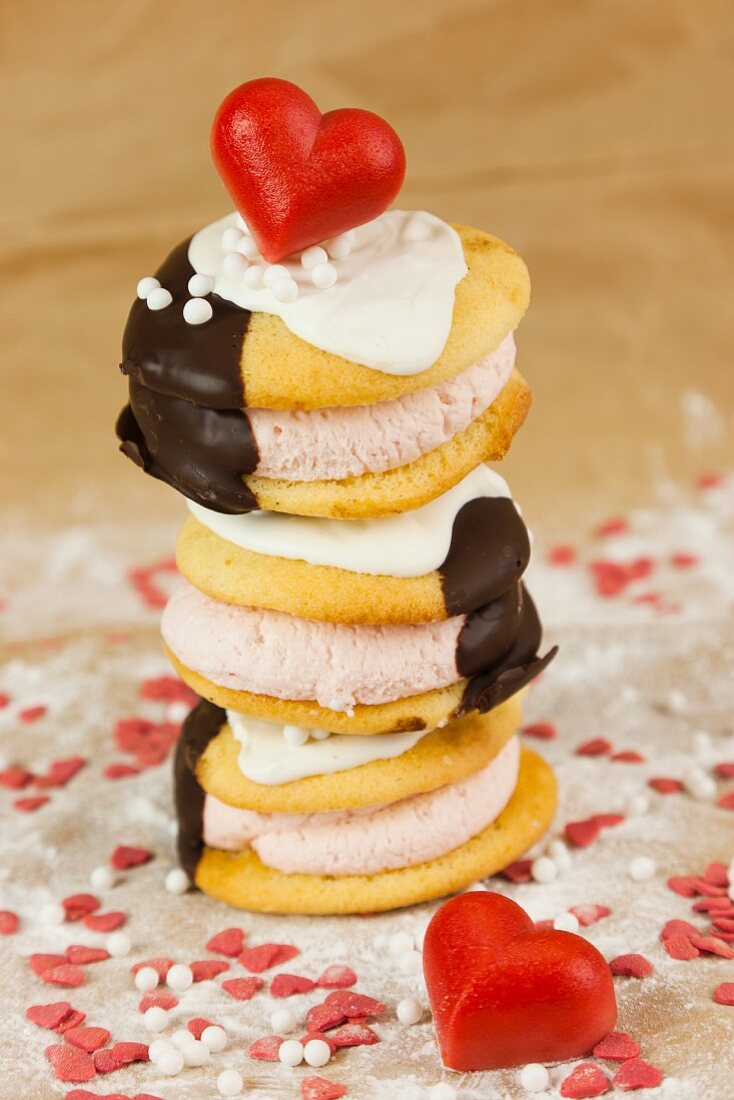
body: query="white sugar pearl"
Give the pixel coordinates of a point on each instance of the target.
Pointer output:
(340, 247)
(247, 247)
(544, 870)
(534, 1077)
(215, 1038)
(155, 1019)
(102, 878)
(566, 922)
(275, 271)
(253, 277)
(200, 285)
(234, 264)
(118, 945)
(316, 1053)
(177, 881)
(294, 735)
(52, 914)
(560, 855)
(312, 256)
(638, 805)
(290, 1053)
(323, 276)
(409, 1011)
(400, 942)
(146, 979)
(170, 1062)
(159, 298)
(176, 712)
(197, 311)
(145, 286)
(285, 290)
(231, 238)
(320, 735)
(282, 1020)
(182, 1038)
(442, 1091)
(179, 978)
(229, 1082)
(642, 869)
(410, 963)
(195, 1053)
(701, 787)
(159, 1047)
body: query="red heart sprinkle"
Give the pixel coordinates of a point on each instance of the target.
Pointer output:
(125, 857)
(725, 769)
(61, 771)
(680, 947)
(712, 945)
(354, 1035)
(677, 928)
(70, 1064)
(127, 1053)
(618, 1046)
(81, 955)
(160, 964)
(726, 801)
(49, 1016)
(608, 820)
(229, 942)
(198, 1025)
(337, 977)
(206, 969)
(685, 885)
(120, 771)
(15, 778)
(39, 963)
(519, 871)
(589, 914)
(32, 714)
(167, 688)
(715, 905)
(636, 1074)
(65, 975)
(9, 922)
(267, 955)
(30, 805)
(323, 1017)
(583, 833)
(598, 746)
(266, 1050)
(77, 906)
(104, 922)
(243, 989)
(562, 554)
(664, 785)
(724, 993)
(87, 1038)
(74, 1019)
(355, 1005)
(628, 756)
(585, 1080)
(318, 1088)
(544, 731)
(287, 985)
(299, 177)
(717, 874)
(631, 966)
(107, 1062)
(318, 1035)
(724, 924)
(157, 1000)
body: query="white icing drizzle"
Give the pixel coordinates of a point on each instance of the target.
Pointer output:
(409, 544)
(265, 758)
(392, 306)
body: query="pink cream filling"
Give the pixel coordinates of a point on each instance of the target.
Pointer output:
(336, 443)
(380, 838)
(337, 664)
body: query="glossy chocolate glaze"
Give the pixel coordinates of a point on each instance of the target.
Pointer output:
(489, 632)
(185, 422)
(488, 554)
(202, 725)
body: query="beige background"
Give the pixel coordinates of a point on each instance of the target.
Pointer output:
(595, 136)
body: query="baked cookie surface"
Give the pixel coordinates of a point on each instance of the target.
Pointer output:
(441, 757)
(242, 880)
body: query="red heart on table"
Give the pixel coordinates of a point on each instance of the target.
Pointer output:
(504, 994)
(299, 177)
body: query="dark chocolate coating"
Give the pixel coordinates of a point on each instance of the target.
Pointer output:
(489, 633)
(185, 423)
(489, 552)
(201, 726)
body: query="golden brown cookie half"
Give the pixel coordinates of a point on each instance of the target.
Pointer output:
(242, 880)
(487, 439)
(281, 371)
(442, 757)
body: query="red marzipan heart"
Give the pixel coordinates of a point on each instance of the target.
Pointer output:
(504, 994)
(299, 177)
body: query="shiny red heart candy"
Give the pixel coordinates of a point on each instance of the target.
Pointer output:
(504, 994)
(296, 176)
